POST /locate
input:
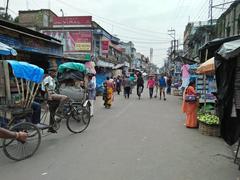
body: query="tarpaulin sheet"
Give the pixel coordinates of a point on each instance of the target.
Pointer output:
(230, 126)
(230, 49)
(27, 71)
(72, 66)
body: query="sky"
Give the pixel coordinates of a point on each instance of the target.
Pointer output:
(144, 22)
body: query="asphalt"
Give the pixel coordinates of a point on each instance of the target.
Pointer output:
(134, 140)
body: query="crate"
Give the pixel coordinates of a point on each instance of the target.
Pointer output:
(209, 130)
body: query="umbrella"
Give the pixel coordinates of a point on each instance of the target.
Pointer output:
(206, 67)
(7, 50)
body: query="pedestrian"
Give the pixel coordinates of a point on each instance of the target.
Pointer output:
(140, 85)
(132, 81)
(91, 93)
(162, 86)
(127, 87)
(118, 85)
(110, 88)
(169, 84)
(156, 85)
(190, 108)
(150, 86)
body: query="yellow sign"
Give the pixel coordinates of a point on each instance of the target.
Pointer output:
(83, 46)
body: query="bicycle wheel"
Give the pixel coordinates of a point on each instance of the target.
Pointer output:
(79, 120)
(17, 150)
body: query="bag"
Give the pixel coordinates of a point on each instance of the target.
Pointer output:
(190, 98)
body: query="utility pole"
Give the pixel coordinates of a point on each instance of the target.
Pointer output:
(62, 24)
(172, 33)
(6, 13)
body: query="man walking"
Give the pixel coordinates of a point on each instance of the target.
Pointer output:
(162, 85)
(150, 85)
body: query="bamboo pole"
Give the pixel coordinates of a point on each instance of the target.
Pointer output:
(7, 82)
(23, 96)
(31, 94)
(34, 94)
(204, 85)
(28, 91)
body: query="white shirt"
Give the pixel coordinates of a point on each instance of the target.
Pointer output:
(94, 81)
(50, 82)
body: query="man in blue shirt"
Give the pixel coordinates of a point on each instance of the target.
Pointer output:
(162, 85)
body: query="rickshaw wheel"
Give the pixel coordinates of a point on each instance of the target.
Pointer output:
(79, 120)
(17, 150)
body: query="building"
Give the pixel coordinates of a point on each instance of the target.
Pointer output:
(195, 36)
(36, 19)
(31, 46)
(228, 24)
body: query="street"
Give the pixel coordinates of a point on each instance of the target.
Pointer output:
(134, 140)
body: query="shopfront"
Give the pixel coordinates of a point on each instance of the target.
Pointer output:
(32, 46)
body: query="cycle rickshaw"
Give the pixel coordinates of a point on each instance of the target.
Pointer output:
(19, 83)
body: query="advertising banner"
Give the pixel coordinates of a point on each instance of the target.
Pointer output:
(105, 47)
(72, 21)
(74, 41)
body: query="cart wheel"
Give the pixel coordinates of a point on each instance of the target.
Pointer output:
(17, 150)
(79, 120)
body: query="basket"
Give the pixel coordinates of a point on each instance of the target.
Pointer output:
(176, 92)
(209, 130)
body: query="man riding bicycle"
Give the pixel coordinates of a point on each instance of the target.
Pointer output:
(49, 87)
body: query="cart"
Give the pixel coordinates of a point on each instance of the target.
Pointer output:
(19, 84)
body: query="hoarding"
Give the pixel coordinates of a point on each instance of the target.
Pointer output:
(72, 21)
(105, 47)
(73, 41)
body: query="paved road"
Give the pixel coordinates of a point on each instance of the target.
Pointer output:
(135, 140)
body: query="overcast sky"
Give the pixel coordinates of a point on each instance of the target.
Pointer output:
(144, 22)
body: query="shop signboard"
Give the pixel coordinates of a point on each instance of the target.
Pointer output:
(105, 47)
(72, 21)
(74, 41)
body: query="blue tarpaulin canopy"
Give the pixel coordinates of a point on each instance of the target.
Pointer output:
(7, 50)
(27, 71)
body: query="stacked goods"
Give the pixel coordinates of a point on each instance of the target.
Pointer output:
(209, 124)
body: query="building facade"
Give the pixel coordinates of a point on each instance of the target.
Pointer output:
(229, 22)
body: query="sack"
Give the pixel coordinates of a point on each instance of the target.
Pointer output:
(190, 98)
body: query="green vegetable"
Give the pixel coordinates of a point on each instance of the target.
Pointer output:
(208, 119)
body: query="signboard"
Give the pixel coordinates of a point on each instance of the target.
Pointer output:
(73, 41)
(105, 47)
(72, 21)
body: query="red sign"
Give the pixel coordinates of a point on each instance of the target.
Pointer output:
(105, 47)
(75, 21)
(74, 41)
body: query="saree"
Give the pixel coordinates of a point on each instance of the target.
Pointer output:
(110, 91)
(190, 109)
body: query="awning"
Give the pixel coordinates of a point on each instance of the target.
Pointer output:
(230, 49)
(101, 63)
(213, 46)
(206, 67)
(118, 66)
(184, 60)
(7, 50)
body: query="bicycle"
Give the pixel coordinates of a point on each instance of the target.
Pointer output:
(76, 114)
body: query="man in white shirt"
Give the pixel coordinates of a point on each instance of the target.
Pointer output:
(49, 86)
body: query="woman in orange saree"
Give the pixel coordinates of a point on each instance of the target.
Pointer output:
(190, 108)
(110, 91)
